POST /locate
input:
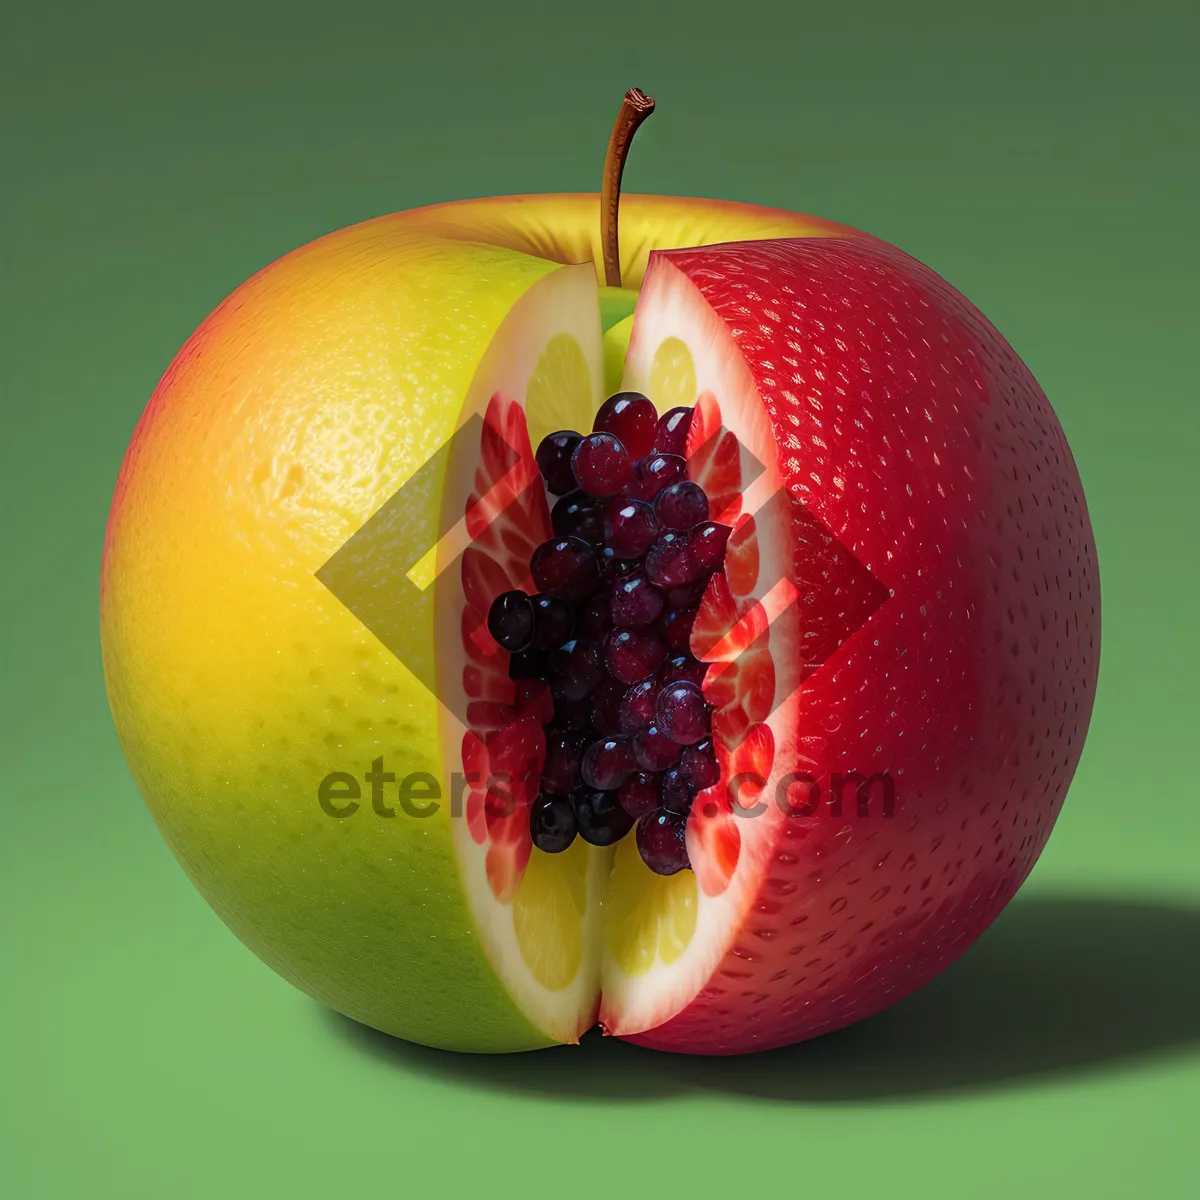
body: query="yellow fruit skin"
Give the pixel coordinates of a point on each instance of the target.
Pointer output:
(237, 681)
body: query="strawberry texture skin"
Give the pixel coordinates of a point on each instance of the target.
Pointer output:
(908, 426)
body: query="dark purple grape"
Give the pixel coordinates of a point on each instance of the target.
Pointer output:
(576, 669)
(631, 417)
(630, 526)
(653, 473)
(682, 666)
(608, 762)
(529, 664)
(593, 619)
(706, 548)
(635, 603)
(662, 842)
(677, 628)
(579, 515)
(675, 792)
(690, 594)
(565, 567)
(637, 706)
(682, 713)
(639, 794)
(560, 768)
(681, 505)
(602, 820)
(668, 562)
(632, 654)
(552, 824)
(606, 707)
(510, 620)
(601, 464)
(553, 620)
(613, 566)
(554, 460)
(655, 751)
(671, 436)
(699, 765)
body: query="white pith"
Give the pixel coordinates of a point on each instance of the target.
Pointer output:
(668, 306)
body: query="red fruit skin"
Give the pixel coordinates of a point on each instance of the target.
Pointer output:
(912, 430)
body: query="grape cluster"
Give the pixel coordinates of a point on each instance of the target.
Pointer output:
(609, 628)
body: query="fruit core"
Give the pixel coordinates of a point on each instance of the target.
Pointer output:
(628, 731)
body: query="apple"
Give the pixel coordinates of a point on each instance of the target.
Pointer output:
(872, 661)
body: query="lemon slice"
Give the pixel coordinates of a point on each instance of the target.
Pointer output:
(548, 914)
(672, 375)
(559, 393)
(648, 918)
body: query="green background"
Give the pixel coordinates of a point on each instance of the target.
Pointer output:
(1041, 156)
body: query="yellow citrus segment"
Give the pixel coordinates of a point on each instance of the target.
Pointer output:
(547, 914)
(672, 375)
(648, 916)
(678, 915)
(559, 395)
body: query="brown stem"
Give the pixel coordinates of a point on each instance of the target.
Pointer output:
(635, 108)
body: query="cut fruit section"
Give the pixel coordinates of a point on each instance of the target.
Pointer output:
(677, 741)
(665, 938)
(663, 933)
(538, 914)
